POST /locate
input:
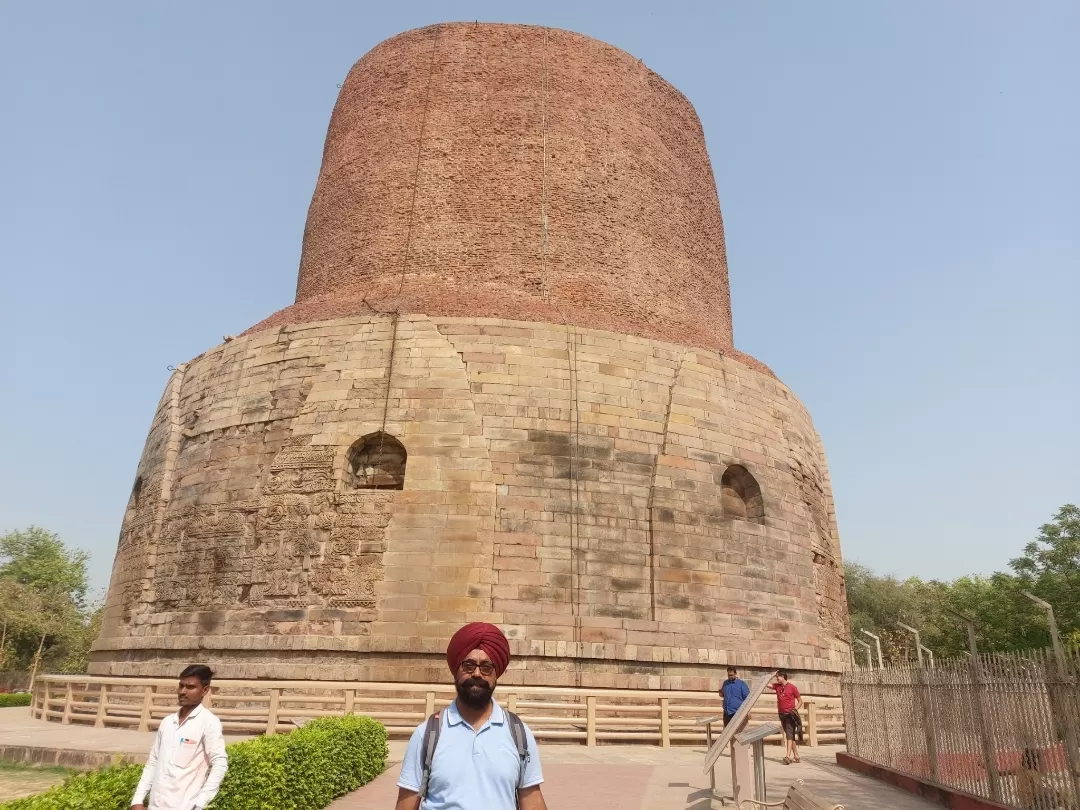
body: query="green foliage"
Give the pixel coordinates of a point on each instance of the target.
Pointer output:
(43, 604)
(97, 790)
(1050, 568)
(7, 700)
(39, 559)
(304, 770)
(1005, 618)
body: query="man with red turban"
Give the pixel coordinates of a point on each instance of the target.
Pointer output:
(473, 755)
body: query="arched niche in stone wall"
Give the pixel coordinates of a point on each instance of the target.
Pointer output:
(741, 495)
(376, 461)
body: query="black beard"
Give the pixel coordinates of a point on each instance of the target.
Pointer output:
(474, 692)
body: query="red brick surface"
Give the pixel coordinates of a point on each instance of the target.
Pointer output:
(924, 788)
(451, 146)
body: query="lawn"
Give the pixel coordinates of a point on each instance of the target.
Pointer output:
(17, 780)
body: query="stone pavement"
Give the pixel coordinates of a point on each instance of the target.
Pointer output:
(23, 738)
(638, 777)
(614, 777)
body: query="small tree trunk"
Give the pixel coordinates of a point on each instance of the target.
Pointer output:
(3, 641)
(36, 662)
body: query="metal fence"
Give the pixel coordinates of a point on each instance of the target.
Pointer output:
(1003, 726)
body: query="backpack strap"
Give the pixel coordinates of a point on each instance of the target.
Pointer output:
(432, 730)
(521, 740)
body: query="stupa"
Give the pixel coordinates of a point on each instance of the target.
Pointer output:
(507, 390)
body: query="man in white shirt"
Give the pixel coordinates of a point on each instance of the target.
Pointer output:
(188, 760)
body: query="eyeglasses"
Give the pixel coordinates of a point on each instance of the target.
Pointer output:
(468, 666)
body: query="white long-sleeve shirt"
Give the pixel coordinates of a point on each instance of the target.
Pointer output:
(186, 764)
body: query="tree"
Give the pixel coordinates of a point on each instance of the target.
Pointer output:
(39, 558)
(1050, 568)
(877, 603)
(1005, 619)
(44, 615)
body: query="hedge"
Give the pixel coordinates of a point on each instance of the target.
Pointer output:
(303, 770)
(8, 699)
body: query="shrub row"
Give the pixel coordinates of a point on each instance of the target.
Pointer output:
(303, 770)
(8, 699)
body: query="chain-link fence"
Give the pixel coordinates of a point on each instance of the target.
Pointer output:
(1004, 726)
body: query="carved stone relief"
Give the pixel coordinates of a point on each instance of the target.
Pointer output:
(828, 574)
(299, 545)
(133, 549)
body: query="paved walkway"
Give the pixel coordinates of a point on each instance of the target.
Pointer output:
(19, 730)
(638, 777)
(614, 777)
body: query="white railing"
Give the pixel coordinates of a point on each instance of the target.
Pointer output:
(590, 716)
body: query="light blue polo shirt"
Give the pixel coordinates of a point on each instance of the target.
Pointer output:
(471, 770)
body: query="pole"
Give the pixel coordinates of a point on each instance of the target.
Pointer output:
(926, 706)
(1055, 638)
(1072, 745)
(759, 770)
(918, 644)
(877, 641)
(930, 654)
(989, 759)
(869, 652)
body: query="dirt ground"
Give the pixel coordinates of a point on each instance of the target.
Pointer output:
(17, 781)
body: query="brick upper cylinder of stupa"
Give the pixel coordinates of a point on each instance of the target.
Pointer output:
(516, 172)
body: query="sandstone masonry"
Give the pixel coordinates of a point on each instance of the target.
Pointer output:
(507, 391)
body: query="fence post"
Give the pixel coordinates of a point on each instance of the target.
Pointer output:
(926, 705)
(590, 720)
(879, 692)
(102, 707)
(68, 697)
(144, 718)
(272, 714)
(350, 700)
(665, 723)
(812, 721)
(989, 760)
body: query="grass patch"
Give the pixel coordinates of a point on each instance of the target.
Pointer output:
(29, 767)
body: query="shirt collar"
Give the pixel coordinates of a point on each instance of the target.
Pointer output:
(453, 716)
(194, 713)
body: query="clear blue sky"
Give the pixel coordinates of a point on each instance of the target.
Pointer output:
(900, 185)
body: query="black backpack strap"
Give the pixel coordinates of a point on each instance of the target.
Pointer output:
(521, 740)
(432, 730)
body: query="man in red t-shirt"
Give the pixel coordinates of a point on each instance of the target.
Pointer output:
(788, 703)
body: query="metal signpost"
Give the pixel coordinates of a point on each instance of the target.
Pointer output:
(742, 766)
(755, 740)
(707, 722)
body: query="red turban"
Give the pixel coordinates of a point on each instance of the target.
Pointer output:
(479, 636)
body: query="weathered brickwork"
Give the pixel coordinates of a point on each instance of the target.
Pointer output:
(563, 482)
(516, 172)
(507, 390)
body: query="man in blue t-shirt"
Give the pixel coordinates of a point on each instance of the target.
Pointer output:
(473, 758)
(734, 691)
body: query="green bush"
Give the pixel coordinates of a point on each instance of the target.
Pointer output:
(105, 788)
(304, 770)
(8, 699)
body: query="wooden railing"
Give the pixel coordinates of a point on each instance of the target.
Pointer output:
(590, 716)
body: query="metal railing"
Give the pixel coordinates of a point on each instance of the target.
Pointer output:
(589, 716)
(1003, 726)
